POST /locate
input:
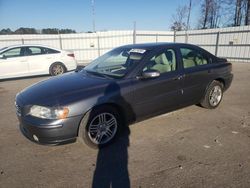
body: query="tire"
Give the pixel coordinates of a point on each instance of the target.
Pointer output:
(108, 129)
(57, 69)
(213, 95)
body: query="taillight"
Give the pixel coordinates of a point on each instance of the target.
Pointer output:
(71, 55)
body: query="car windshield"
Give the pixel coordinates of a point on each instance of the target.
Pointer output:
(3, 49)
(116, 63)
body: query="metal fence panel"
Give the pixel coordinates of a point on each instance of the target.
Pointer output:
(232, 43)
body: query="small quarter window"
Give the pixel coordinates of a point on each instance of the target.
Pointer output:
(51, 51)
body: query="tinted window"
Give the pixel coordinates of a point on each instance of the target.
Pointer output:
(50, 51)
(33, 51)
(14, 52)
(192, 58)
(162, 62)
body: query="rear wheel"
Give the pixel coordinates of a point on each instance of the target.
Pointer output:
(57, 69)
(99, 127)
(213, 95)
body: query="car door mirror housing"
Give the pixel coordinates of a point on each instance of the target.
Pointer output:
(150, 74)
(2, 57)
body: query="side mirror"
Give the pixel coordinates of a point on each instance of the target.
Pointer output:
(150, 74)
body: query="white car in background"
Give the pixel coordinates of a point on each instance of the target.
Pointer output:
(29, 60)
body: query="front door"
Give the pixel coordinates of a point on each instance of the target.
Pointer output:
(157, 95)
(13, 63)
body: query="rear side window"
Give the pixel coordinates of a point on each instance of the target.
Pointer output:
(33, 51)
(14, 52)
(50, 51)
(192, 58)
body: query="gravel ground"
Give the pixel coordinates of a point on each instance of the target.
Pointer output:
(192, 147)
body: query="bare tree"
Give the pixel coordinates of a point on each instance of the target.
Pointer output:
(210, 13)
(227, 12)
(215, 13)
(247, 14)
(205, 7)
(238, 13)
(178, 20)
(242, 12)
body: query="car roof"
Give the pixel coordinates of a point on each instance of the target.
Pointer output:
(150, 46)
(154, 46)
(25, 45)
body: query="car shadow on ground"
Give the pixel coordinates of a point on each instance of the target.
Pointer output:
(112, 164)
(112, 160)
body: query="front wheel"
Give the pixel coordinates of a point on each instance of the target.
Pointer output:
(99, 127)
(213, 95)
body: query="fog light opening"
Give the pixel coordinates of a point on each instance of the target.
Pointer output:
(35, 138)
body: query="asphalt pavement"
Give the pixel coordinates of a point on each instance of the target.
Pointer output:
(191, 147)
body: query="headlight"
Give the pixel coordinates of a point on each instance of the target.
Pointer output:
(49, 112)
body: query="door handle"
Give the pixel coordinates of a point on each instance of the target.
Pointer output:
(180, 77)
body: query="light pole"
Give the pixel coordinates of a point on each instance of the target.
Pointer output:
(189, 12)
(93, 14)
(134, 33)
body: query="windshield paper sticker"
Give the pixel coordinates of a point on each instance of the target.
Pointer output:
(140, 51)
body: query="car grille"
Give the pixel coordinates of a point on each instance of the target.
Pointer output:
(18, 109)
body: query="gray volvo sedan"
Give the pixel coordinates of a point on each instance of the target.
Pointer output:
(127, 84)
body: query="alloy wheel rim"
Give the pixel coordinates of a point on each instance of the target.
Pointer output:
(57, 69)
(102, 128)
(215, 96)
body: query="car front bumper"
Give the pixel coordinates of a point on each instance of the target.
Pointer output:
(49, 132)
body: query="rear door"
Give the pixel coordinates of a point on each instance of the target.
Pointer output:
(13, 63)
(197, 69)
(157, 95)
(38, 60)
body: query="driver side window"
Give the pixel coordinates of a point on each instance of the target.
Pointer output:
(162, 62)
(14, 52)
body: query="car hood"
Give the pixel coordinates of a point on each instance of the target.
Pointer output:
(54, 90)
